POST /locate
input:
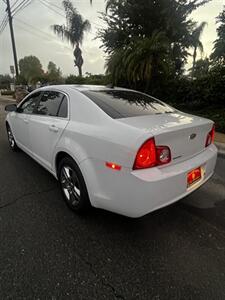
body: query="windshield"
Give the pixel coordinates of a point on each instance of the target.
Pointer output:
(124, 104)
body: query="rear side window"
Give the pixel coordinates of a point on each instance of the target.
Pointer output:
(49, 104)
(63, 109)
(124, 104)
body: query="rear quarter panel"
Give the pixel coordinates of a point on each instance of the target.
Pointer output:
(106, 143)
(91, 133)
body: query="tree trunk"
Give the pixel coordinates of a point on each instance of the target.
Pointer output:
(80, 70)
(194, 61)
(78, 59)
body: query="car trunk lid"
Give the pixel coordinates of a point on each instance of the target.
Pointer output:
(184, 134)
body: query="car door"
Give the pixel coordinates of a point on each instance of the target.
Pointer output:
(47, 125)
(20, 120)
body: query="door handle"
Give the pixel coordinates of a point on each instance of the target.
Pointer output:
(25, 121)
(53, 128)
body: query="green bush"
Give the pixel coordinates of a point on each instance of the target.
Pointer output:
(215, 113)
(7, 93)
(72, 79)
(204, 96)
(205, 91)
(90, 79)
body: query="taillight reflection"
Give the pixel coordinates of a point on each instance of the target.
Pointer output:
(210, 137)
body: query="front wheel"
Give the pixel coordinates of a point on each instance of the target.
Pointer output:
(11, 139)
(73, 186)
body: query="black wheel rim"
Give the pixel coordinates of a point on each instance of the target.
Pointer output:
(70, 185)
(11, 138)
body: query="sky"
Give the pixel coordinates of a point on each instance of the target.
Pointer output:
(34, 36)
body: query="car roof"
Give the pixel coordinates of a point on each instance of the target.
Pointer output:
(80, 88)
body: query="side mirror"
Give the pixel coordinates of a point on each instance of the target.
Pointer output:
(11, 107)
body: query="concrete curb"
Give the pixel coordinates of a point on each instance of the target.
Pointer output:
(221, 148)
(6, 99)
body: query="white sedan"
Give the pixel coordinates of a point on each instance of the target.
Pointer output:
(113, 148)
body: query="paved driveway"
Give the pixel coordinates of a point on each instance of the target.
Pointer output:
(47, 252)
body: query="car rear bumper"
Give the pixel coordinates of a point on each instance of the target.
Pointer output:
(136, 193)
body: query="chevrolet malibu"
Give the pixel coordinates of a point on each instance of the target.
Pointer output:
(113, 148)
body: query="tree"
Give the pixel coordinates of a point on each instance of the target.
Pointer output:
(30, 69)
(201, 68)
(73, 31)
(5, 81)
(196, 43)
(54, 74)
(128, 20)
(219, 45)
(141, 61)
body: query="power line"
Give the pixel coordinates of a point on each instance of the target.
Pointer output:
(44, 2)
(3, 20)
(34, 28)
(41, 34)
(24, 5)
(14, 3)
(53, 4)
(13, 12)
(19, 5)
(49, 7)
(22, 8)
(32, 32)
(3, 24)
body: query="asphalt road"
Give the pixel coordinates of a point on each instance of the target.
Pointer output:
(48, 252)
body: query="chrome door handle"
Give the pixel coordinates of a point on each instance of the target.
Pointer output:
(53, 128)
(25, 121)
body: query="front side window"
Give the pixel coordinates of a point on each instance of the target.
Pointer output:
(49, 104)
(28, 106)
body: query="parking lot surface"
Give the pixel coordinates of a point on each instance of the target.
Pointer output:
(48, 252)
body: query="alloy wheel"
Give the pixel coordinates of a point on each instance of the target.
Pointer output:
(70, 185)
(11, 138)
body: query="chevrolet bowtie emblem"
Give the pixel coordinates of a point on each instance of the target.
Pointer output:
(192, 136)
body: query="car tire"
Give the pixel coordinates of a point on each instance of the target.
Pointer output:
(73, 186)
(12, 143)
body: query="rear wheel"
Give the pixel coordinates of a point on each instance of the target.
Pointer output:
(11, 139)
(73, 186)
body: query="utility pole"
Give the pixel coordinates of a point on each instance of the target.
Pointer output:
(12, 36)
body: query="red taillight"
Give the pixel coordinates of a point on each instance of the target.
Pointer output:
(150, 155)
(210, 137)
(146, 156)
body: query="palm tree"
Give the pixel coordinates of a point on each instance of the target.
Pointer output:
(196, 43)
(218, 53)
(141, 60)
(73, 31)
(201, 68)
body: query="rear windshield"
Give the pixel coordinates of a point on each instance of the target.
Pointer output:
(124, 104)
